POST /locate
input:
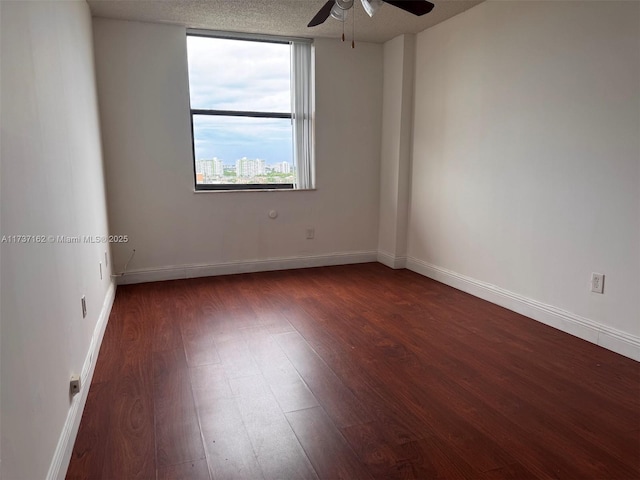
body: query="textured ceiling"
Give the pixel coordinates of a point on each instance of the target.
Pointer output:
(277, 17)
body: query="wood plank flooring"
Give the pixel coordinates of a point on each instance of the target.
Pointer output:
(348, 372)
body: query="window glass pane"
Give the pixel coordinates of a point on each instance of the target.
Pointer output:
(241, 150)
(239, 75)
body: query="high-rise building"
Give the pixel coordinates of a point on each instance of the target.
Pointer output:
(246, 167)
(210, 169)
(218, 167)
(282, 167)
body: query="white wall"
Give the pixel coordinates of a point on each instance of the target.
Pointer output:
(526, 158)
(52, 184)
(395, 158)
(143, 95)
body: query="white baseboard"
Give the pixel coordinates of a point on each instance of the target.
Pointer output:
(248, 266)
(392, 261)
(584, 328)
(62, 455)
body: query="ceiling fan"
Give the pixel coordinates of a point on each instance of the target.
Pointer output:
(338, 8)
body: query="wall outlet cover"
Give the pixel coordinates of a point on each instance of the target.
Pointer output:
(597, 282)
(74, 384)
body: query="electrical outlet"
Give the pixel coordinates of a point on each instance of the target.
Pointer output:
(597, 283)
(84, 306)
(311, 233)
(106, 259)
(74, 384)
(100, 270)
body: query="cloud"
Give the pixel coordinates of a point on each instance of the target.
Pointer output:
(239, 75)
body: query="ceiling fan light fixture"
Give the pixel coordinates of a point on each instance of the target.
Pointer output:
(338, 13)
(371, 6)
(344, 4)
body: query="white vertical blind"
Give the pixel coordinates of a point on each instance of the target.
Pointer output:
(302, 110)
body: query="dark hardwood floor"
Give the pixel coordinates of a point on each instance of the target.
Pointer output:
(348, 372)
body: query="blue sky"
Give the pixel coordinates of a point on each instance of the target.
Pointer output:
(239, 75)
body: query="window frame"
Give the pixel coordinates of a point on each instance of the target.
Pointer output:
(244, 113)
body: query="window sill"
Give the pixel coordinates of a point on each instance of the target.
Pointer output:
(260, 190)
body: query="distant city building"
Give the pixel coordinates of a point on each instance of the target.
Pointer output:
(246, 167)
(218, 167)
(209, 169)
(245, 170)
(203, 167)
(282, 167)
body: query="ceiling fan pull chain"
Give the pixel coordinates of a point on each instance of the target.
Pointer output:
(353, 29)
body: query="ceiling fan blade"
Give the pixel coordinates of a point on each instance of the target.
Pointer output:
(371, 6)
(417, 7)
(322, 14)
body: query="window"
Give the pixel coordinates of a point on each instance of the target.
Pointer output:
(251, 111)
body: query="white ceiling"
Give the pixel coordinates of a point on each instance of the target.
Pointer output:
(277, 17)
